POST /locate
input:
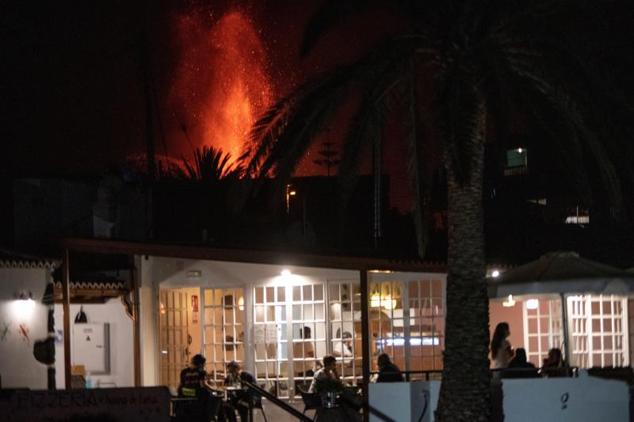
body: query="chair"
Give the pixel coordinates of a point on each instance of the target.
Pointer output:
(312, 401)
(257, 404)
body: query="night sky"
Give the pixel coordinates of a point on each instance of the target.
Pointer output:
(73, 91)
(73, 96)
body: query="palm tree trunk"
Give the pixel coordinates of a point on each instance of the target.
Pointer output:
(465, 393)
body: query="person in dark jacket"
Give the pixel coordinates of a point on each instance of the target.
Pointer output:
(388, 372)
(520, 367)
(193, 378)
(193, 384)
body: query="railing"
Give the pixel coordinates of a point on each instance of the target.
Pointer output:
(296, 413)
(276, 401)
(436, 374)
(427, 375)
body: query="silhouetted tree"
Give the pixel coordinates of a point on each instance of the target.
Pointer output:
(481, 57)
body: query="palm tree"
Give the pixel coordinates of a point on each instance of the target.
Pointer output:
(482, 57)
(208, 165)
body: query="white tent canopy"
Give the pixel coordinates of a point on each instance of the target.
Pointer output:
(562, 273)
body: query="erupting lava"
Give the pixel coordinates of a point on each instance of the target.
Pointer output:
(221, 83)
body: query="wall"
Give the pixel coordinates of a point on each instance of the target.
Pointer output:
(18, 367)
(121, 342)
(525, 400)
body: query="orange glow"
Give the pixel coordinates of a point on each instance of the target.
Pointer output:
(221, 84)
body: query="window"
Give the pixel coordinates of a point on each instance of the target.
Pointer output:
(542, 328)
(598, 327)
(516, 162)
(407, 323)
(344, 317)
(223, 329)
(296, 325)
(578, 216)
(270, 328)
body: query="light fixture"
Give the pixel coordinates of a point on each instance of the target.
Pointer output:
(375, 300)
(241, 303)
(285, 272)
(495, 273)
(23, 305)
(23, 295)
(509, 303)
(532, 304)
(519, 150)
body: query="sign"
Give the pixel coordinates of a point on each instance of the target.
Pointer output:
(195, 309)
(117, 404)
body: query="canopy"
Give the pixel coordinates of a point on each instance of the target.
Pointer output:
(562, 273)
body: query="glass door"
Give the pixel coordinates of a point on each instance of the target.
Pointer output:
(174, 338)
(223, 329)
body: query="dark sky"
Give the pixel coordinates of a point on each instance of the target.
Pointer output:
(72, 94)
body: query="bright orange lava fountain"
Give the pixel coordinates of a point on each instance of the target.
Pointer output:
(221, 83)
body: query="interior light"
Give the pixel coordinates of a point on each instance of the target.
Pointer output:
(375, 301)
(509, 303)
(285, 272)
(241, 303)
(495, 274)
(532, 304)
(519, 150)
(292, 193)
(23, 309)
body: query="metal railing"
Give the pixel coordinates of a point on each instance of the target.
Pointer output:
(276, 401)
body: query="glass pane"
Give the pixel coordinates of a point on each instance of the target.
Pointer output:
(281, 294)
(333, 292)
(297, 312)
(270, 295)
(319, 312)
(259, 295)
(297, 294)
(308, 312)
(308, 293)
(318, 289)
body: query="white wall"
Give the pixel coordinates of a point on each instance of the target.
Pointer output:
(18, 367)
(121, 343)
(525, 400)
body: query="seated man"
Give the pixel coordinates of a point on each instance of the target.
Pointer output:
(193, 383)
(329, 371)
(239, 400)
(388, 372)
(519, 366)
(193, 379)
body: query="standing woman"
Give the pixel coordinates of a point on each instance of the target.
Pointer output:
(501, 351)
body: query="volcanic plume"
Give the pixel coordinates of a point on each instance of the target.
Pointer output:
(221, 83)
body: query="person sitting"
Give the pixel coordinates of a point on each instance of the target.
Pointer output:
(238, 400)
(193, 379)
(520, 367)
(554, 365)
(193, 384)
(343, 348)
(388, 372)
(328, 371)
